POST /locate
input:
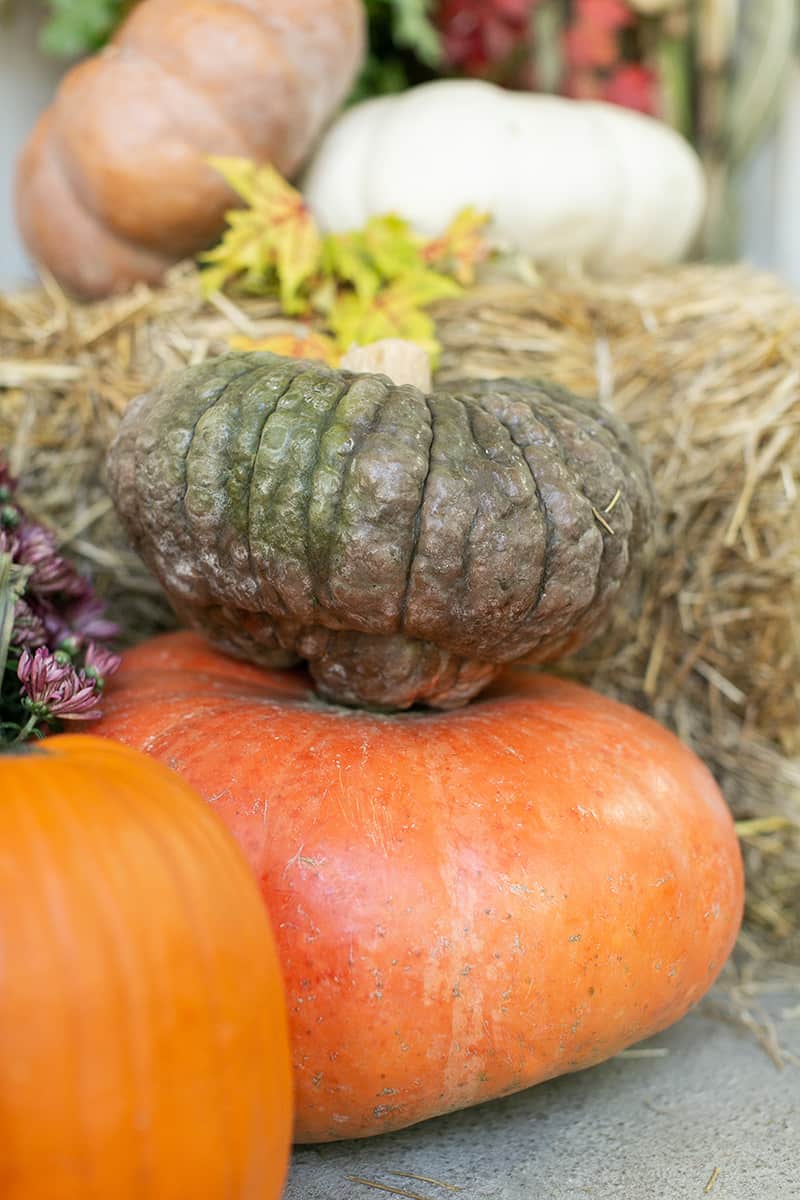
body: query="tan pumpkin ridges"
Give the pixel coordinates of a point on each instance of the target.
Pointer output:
(113, 185)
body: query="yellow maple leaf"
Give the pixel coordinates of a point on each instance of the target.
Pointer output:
(365, 285)
(461, 247)
(315, 346)
(274, 242)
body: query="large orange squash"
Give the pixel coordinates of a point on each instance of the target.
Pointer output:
(114, 184)
(143, 1044)
(465, 903)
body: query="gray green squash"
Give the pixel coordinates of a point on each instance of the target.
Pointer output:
(405, 544)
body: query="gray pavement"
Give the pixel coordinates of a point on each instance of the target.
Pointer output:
(704, 1111)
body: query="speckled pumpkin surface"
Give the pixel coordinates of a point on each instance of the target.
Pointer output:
(405, 544)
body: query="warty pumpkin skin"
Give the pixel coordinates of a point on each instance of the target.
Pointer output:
(113, 186)
(144, 1049)
(465, 903)
(404, 544)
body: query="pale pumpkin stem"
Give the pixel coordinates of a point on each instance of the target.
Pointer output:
(402, 361)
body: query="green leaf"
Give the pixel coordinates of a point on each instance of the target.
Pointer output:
(81, 26)
(404, 47)
(344, 258)
(386, 248)
(413, 28)
(392, 246)
(395, 312)
(380, 76)
(13, 579)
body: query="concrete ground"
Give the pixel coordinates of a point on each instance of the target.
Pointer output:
(701, 1110)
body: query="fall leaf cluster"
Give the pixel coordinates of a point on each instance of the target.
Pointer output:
(357, 287)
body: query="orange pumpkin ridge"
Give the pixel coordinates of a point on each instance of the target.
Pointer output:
(465, 903)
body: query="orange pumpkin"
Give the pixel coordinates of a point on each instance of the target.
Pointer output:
(143, 1041)
(114, 184)
(465, 903)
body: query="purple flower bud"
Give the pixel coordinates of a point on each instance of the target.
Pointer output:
(70, 626)
(85, 618)
(53, 620)
(28, 627)
(100, 663)
(36, 547)
(9, 542)
(55, 689)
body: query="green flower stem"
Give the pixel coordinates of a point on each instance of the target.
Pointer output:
(27, 729)
(8, 599)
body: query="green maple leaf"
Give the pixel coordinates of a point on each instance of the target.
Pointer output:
(344, 258)
(392, 246)
(273, 244)
(385, 249)
(397, 311)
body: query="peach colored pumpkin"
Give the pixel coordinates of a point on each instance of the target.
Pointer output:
(113, 185)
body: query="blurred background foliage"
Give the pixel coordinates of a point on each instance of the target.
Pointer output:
(714, 69)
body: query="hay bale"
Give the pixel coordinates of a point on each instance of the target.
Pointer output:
(703, 362)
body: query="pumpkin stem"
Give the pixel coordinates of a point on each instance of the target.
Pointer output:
(402, 361)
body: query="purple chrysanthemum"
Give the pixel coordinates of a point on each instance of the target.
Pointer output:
(52, 662)
(100, 663)
(29, 630)
(54, 689)
(51, 572)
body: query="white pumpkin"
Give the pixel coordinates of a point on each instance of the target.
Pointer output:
(568, 181)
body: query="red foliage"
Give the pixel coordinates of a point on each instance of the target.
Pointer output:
(634, 86)
(590, 46)
(604, 14)
(490, 37)
(478, 34)
(593, 38)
